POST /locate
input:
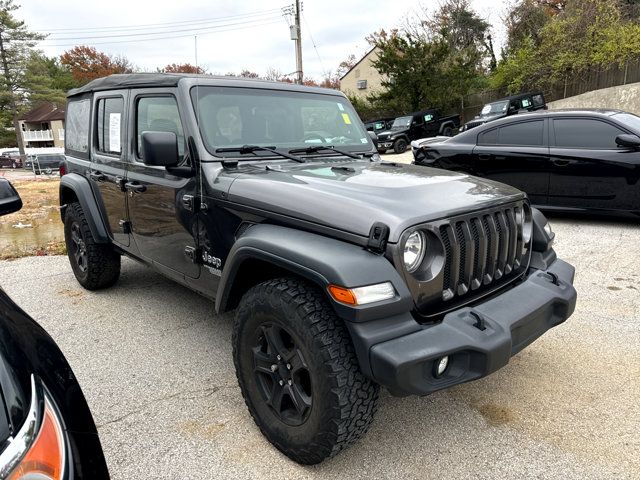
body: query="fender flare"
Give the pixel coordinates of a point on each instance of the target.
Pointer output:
(448, 123)
(82, 189)
(320, 260)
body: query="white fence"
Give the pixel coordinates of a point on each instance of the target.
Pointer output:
(37, 135)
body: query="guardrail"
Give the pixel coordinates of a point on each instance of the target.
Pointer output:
(37, 135)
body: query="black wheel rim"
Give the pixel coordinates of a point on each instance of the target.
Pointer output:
(78, 248)
(282, 374)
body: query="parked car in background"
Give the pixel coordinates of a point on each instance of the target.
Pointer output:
(563, 159)
(378, 125)
(414, 126)
(46, 429)
(525, 102)
(10, 159)
(45, 163)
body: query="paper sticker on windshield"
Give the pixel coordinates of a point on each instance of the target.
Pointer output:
(340, 106)
(364, 140)
(345, 117)
(114, 132)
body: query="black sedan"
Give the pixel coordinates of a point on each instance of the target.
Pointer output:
(46, 429)
(572, 160)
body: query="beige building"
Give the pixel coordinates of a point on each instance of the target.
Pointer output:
(362, 79)
(43, 126)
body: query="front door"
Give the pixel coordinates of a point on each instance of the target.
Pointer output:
(108, 166)
(516, 154)
(163, 226)
(589, 170)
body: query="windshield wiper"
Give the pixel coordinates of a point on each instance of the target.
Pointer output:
(256, 148)
(319, 148)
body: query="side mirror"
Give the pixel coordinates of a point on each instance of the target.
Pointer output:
(629, 141)
(160, 149)
(374, 138)
(9, 199)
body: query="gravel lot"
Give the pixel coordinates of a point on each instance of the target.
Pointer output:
(155, 364)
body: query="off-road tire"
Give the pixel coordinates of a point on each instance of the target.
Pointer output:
(102, 267)
(447, 132)
(400, 145)
(343, 399)
(382, 151)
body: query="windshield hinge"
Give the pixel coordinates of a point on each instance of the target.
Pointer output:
(378, 236)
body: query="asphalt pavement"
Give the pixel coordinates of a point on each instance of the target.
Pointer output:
(155, 364)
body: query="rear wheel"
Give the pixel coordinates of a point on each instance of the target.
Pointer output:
(400, 145)
(447, 132)
(95, 265)
(298, 371)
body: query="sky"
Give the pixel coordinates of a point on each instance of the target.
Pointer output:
(231, 35)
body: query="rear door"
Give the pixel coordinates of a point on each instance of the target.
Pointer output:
(516, 154)
(589, 170)
(108, 163)
(163, 227)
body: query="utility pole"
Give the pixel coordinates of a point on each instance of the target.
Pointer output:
(298, 39)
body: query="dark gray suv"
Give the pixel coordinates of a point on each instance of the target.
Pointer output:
(345, 273)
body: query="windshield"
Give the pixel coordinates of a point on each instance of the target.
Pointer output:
(234, 117)
(629, 119)
(401, 122)
(494, 108)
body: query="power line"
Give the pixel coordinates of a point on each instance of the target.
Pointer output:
(314, 44)
(148, 25)
(120, 35)
(134, 40)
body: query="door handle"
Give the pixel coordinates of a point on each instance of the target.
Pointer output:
(97, 177)
(135, 187)
(561, 163)
(485, 156)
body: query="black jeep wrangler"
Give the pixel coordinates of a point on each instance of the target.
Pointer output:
(345, 273)
(524, 102)
(414, 126)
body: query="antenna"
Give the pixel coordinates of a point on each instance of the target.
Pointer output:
(197, 107)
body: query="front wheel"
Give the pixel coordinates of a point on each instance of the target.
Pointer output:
(400, 145)
(298, 371)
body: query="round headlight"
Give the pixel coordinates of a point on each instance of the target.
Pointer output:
(414, 249)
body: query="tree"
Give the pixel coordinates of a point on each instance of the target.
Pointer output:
(181, 68)
(86, 63)
(15, 44)
(46, 79)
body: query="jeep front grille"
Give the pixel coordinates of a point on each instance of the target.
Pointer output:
(482, 249)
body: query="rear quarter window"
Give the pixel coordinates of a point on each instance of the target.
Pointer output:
(78, 119)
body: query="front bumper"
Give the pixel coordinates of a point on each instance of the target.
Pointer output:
(385, 144)
(512, 320)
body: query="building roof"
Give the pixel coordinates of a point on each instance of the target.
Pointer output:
(44, 112)
(358, 62)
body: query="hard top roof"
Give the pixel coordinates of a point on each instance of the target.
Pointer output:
(516, 97)
(143, 80)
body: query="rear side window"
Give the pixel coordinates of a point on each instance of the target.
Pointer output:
(524, 133)
(585, 133)
(490, 137)
(158, 114)
(110, 125)
(77, 123)
(538, 100)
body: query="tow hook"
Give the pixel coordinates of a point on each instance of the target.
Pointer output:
(552, 277)
(479, 321)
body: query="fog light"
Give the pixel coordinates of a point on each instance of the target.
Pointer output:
(441, 365)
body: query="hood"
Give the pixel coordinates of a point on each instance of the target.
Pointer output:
(389, 133)
(352, 196)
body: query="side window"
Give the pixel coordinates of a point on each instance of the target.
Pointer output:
(523, 133)
(428, 117)
(490, 137)
(526, 102)
(417, 120)
(585, 133)
(538, 100)
(109, 125)
(77, 126)
(158, 114)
